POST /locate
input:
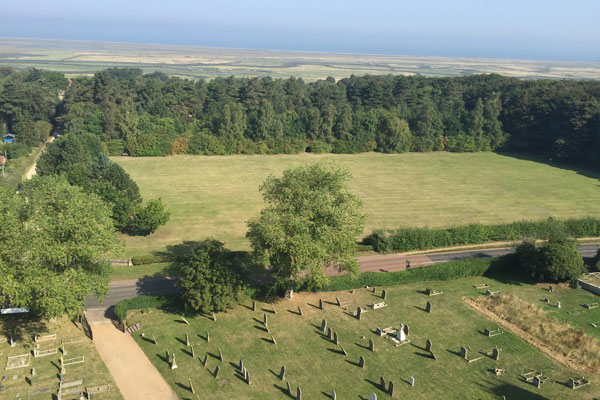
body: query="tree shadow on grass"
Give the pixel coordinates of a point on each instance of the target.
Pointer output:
(509, 391)
(22, 327)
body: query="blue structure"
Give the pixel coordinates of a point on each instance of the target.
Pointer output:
(8, 138)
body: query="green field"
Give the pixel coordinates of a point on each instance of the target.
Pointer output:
(318, 366)
(92, 371)
(215, 195)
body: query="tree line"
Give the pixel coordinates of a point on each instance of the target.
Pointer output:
(154, 114)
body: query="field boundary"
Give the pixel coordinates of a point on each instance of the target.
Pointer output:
(524, 335)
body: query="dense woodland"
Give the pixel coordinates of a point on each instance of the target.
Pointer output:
(153, 114)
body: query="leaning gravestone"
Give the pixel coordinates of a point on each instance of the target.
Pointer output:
(299, 311)
(193, 352)
(191, 386)
(344, 351)
(339, 303)
(371, 345)
(282, 373)
(220, 355)
(428, 345)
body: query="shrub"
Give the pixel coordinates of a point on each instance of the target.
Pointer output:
(15, 150)
(141, 302)
(407, 239)
(153, 259)
(148, 218)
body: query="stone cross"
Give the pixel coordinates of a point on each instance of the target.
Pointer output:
(187, 340)
(253, 305)
(221, 355)
(299, 311)
(361, 362)
(496, 353)
(428, 307)
(335, 338)
(371, 345)
(359, 313)
(173, 363)
(464, 353)
(428, 345)
(320, 304)
(383, 294)
(207, 337)
(339, 303)
(217, 371)
(391, 389)
(323, 326)
(154, 340)
(373, 396)
(191, 386)
(298, 394)
(412, 381)
(282, 373)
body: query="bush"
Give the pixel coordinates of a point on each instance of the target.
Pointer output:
(407, 239)
(15, 150)
(141, 302)
(114, 147)
(148, 218)
(436, 272)
(153, 259)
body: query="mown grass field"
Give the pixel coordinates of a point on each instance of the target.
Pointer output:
(215, 196)
(93, 372)
(317, 365)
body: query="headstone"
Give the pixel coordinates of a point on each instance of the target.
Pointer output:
(329, 333)
(185, 321)
(187, 340)
(320, 304)
(299, 311)
(298, 393)
(154, 340)
(247, 377)
(241, 364)
(407, 263)
(217, 371)
(400, 335)
(412, 381)
(339, 303)
(323, 326)
(168, 356)
(12, 342)
(374, 289)
(428, 307)
(382, 383)
(551, 288)
(191, 386)
(371, 345)
(496, 353)
(428, 345)
(274, 310)
(383, 294)
(220, 355)
(273, 340)
(63, 350)
(214, 317)
(289, 294)
(193, 352)
(373, 396)
(391, 389)
(335, 338)
(207, 337)
(558, 304)
(289, 388)
(253, 305)
(282, 373)
(361, 362)
(359, 313)
(464, 353)
(406, 330)
(173, 362)
(344, 351)
(32, 371)
(205, 360)
(333, 395)
(265, 321)
(537, 382)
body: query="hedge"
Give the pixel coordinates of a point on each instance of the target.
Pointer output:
(436, 272)
(153, 259)
(141, 302)
(407, 239)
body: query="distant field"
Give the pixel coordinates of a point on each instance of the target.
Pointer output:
(82, 58)
(214, 196)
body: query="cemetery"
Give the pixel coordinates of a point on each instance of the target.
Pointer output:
(50, 360)
(334, 348)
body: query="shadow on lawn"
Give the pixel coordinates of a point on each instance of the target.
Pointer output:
(509, 391)
(22, 327)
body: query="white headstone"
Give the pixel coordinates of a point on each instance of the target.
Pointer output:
(412, 381)
(373, 396)
(400, 335)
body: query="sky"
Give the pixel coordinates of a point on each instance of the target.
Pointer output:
(529, 29)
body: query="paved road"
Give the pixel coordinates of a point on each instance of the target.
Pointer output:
(383, 263)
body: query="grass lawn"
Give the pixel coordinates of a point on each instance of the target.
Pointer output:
(15, 169)
(93, 372)
(318, 367)
(214, 196)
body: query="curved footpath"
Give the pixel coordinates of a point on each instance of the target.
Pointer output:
(135, 375)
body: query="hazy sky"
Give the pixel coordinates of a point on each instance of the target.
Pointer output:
(537, 29)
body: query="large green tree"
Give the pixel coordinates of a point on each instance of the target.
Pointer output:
(52, 243)
(208, 281)
(311, 221)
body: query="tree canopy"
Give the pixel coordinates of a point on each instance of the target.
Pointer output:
(52, 243)
(311, 221)
(208, 280)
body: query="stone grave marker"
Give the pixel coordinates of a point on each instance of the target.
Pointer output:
(359, 313)
(205, 359)
(537, 382)
(282, 373)
(412, 381)
(391, 389)
(406, 329)
(298, 393)
(373, 396)
(253, 305)
(428, 345)
(320, 304)
(339, 303)
(265, 321)
(185, 320)
(214, 317)
(220, 355)
(383, 294)
(557, 304)
(247, 377)
(464, 353)
(329, 333)
(216, 374)
(299, 311)
(173, 363)
(323, 326)
(551, 288)
(154, 340)
(361, 362)
(335, 338)
(187, 340)
(289, 388)
(12, 342)
(191, 386)
(496, 353)
(371, 345)
(273, 308)
(241, 367)
(428, 307)
(207, 337)
(193, 352)
(344, 351)
(273, 340)
(333, 395)
(382, 384)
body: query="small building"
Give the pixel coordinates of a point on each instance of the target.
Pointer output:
(8, 138)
